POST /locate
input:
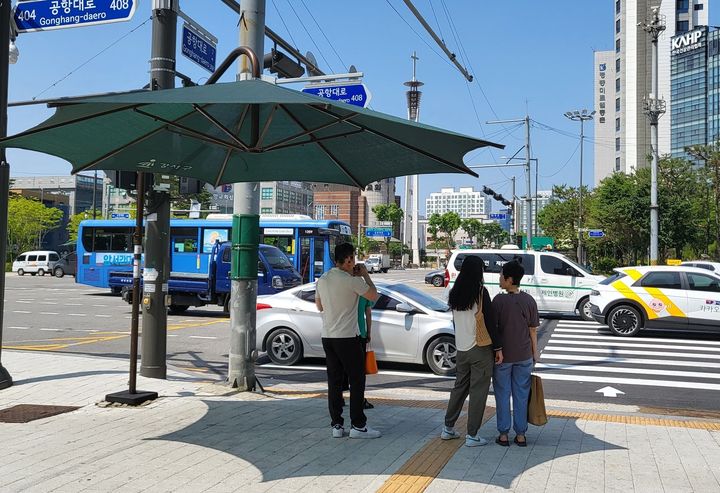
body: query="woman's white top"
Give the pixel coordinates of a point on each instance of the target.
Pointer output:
(465, 328)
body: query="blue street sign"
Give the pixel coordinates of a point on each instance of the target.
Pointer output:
(198, 48)
(350, 93)
(45, 15)
(596, 233)
(498, 216)
(378, 232)
(120, 215)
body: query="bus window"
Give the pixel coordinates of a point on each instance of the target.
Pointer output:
(319, 256)
(184, 240)
(285, 243)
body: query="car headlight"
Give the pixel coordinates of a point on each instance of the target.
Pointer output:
(594, 292)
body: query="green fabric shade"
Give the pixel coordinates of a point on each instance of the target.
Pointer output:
(206, 132)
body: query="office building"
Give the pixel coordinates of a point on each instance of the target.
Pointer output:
(632, 84)
(286, 197)
(342, 202)
(78, 188)
(466, 202)
(695, 77)
(539, 202)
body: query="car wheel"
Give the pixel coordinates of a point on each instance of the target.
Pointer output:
(441, 354)
(175, 309)
(438, 281)
(21, 272)
(624, 321)
(584, 309)
(284, 347)
(58, 272)
(41, 272)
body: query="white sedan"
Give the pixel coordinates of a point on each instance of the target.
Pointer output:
(408, 326)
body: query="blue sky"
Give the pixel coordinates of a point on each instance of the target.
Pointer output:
(527, 56)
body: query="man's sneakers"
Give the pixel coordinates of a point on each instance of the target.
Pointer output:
(448, 433)
(476, 441)
(338, 431)
(366, 432)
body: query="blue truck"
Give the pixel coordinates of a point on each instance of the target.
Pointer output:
(275, 274)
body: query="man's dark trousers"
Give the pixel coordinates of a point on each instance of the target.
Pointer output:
(345, 356)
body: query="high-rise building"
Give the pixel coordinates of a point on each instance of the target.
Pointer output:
(79, 189)
(466, 202)
(607, 106)
(285, 197)
(539, 202)
(695, 90)
(632, 66)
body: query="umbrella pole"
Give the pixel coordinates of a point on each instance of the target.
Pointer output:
(132, 396)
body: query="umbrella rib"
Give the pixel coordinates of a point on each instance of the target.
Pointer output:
(280, 143)
(266, 127)
(219, 125)
(402, 144)
(324, 149)
(74, 120)
(117, 150)
(229, 152)
(190, 131)
(314, 140)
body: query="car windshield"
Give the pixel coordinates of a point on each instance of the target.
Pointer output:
(276, 258)
(613, 278)
(371, 261)
(420, 298)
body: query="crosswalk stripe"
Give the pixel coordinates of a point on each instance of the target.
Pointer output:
(628, 344)
(640, 339)
(637, 361)
(630, 381)
(619, 369)
(629, 351)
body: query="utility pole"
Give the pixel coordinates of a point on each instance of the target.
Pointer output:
(246, 203)
(413, 104)
(5, 378)
(156, 272)
(513, 228)
(654, 108)
(580, 116)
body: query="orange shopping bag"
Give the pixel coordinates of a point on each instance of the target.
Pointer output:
(370, 363)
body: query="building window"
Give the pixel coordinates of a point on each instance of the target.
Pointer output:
(617, 26)
(617, 84)
(617, 104)
(319, 212)
(682, 27)
(682, 5)
(266, 210)
(617, 143)
(266, 193)
(698, 6)
(617, 164)
(617, 65)
(617, 124)
(617, 45)
(617, 6)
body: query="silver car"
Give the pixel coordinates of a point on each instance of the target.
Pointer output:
(408, 326)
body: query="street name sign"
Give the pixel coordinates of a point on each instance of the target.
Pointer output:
(596, 233)
(198, 48)
(46, 15)
(120, 215)
(378, 232)
(351, 93)
(498, 216)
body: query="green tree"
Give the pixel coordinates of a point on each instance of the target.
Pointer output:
(390, 213)
(558, 219)
(28, 222)
(450, 223)
(473, 228)
(74, 222)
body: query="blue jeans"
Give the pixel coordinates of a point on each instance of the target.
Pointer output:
(512, 378)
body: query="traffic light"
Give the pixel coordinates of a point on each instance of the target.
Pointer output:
(497, 196)
(280, 64)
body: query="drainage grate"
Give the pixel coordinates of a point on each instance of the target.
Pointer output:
(24, 413)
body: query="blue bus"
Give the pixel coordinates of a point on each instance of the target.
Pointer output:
(106, 245)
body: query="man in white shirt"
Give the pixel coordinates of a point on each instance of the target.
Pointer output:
(336, 296)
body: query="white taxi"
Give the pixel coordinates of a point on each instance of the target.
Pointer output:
(671, 297)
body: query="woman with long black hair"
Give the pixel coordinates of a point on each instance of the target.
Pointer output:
(478, 344)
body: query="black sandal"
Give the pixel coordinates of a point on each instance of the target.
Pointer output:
(503, 443)
(519, 443)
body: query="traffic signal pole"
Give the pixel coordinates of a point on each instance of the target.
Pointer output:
(156, 273)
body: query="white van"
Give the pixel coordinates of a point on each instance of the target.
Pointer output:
(37, 262)
(559, 285)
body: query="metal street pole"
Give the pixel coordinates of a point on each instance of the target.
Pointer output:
(246, 203)
(5, 378)
(580, 116)
(528, 186)
(654, 108)
(95, 195)
(156, 273)
(537, 165)
(413, 104)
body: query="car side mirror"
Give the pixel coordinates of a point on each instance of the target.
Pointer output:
(405, 308)
(570, 272)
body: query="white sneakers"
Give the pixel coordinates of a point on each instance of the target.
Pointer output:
(338, 431)
(449, 433)
(366, 432)
(476, 441)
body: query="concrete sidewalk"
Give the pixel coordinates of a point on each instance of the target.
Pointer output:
(200, 436)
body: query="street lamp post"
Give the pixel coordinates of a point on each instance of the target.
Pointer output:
(580, 116)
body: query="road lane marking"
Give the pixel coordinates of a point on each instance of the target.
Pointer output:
(617, 369)
(630, 381)
(628, 344)
(641, 339)
(18, 328)
(25, 302)
(48, 303)
(380, 372)
(104, 316)
(628, 351)
(638, 361)
(50, 313)
(73, 304)
(20, 311)
(202, 337)
(77, 315)
(52, 330)
(99, 306)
